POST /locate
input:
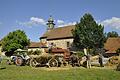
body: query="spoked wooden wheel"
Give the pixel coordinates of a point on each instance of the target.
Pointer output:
(33, 63)
(62, 63)
(53, 63)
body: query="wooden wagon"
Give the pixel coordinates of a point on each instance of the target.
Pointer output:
(56, 58)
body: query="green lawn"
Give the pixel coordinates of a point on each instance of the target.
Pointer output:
(13, 72)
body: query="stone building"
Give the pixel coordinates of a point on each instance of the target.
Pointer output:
(111, 45)
(60, 37)
(34, 46)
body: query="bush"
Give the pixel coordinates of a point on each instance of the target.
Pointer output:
(80, 53)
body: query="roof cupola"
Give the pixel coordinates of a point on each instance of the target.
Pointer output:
(50, 23)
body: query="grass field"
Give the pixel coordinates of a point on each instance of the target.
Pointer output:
(13, 72)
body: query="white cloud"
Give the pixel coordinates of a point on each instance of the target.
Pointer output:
(60, 22)
(114, 23)
(67, 24)
(34, 21)
(28, 24)
(38, 20)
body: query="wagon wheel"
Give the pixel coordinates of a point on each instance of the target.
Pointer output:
(33, 62)
(53, 63)
(63, 63)
(19, 61)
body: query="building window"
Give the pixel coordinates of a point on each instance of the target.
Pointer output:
(68, 44)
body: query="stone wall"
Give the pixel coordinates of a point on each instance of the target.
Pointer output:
(61, 43)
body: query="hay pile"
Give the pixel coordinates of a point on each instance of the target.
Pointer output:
(113, 61)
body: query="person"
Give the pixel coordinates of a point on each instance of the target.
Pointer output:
(88, 61)
(50, 48)
(101, 60)
(73, 59)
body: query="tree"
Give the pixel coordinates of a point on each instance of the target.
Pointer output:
(112, 34)
(88, 34)
(14, 40)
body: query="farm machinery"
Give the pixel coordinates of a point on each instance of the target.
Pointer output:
(19, 58)
(58, 57)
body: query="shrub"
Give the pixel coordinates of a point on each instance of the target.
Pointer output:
(80, 53)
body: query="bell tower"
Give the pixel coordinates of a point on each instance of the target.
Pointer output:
(50, 23)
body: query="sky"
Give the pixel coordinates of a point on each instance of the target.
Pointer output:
(32, 15)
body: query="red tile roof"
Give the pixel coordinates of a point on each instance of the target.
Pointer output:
(36, 45)
(58, 33)
(112, 45)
